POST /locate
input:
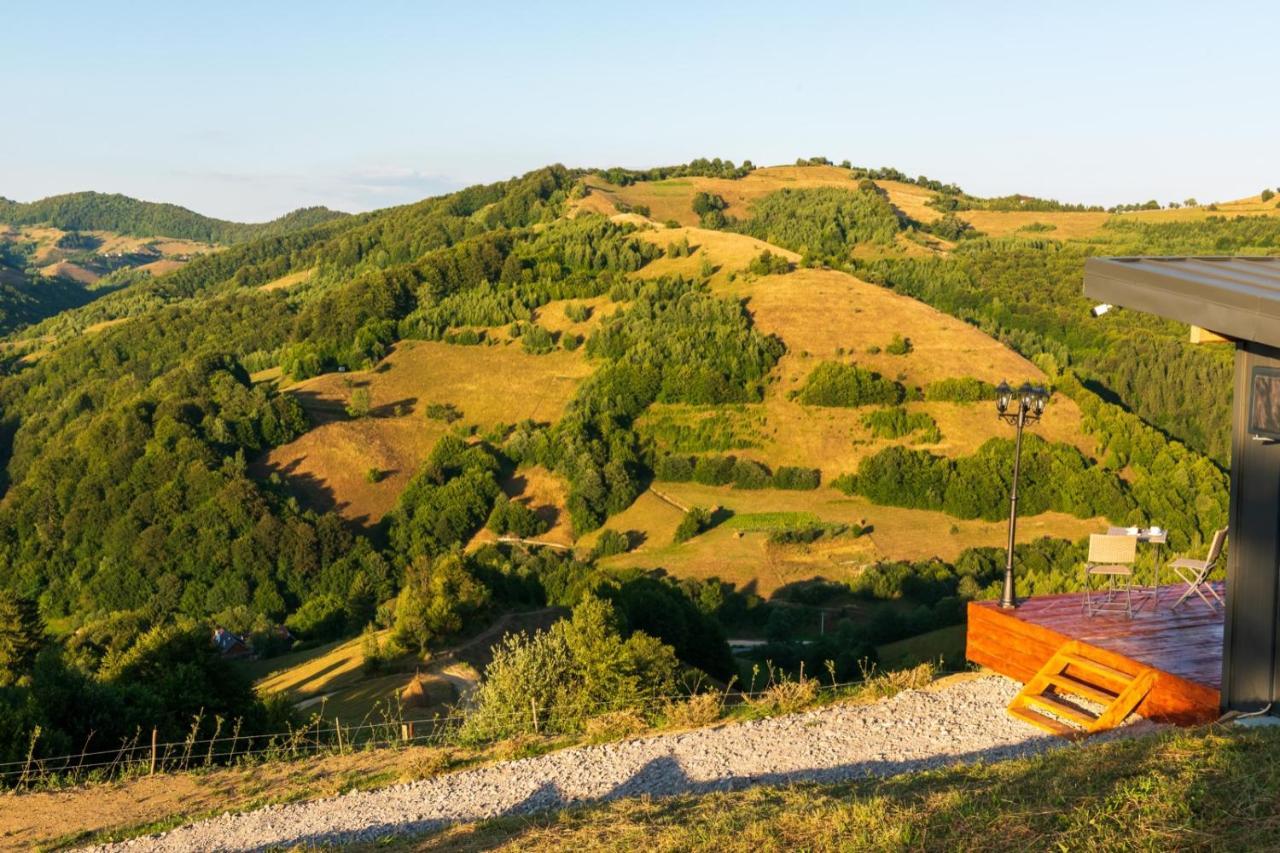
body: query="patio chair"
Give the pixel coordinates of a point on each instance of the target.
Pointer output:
(1195, 573)
(1111, 558)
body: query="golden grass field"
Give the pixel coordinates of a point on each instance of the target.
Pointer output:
(744, 558)
(829, 315)
(289, 280)
(489, 384)
(545, 493)
(673, 198)
(819, 314)
(330, 680)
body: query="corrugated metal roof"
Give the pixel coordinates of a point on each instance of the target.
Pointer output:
(1235, 296)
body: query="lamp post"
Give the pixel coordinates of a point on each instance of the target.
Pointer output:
(1030, 402)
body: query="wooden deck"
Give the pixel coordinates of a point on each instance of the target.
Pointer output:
(1184, 647)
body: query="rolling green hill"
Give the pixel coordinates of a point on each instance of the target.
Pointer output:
(730, 400)
(93, 211)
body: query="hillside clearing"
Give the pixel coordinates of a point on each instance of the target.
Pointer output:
(328, 466)
(746, 559)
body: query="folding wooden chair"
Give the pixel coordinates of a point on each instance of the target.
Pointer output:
(1195, 573)
(1111, 557)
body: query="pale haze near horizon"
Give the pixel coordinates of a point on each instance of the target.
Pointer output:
(246, 112)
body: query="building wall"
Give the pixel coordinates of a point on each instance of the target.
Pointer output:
(1250, 679)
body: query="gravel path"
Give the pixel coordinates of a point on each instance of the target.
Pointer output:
(914, 730)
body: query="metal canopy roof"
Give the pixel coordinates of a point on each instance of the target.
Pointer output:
(1238, 297)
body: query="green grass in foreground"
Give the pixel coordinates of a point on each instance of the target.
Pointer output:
(946, 644)
(1208, 789)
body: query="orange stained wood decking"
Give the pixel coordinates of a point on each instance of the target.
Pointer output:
(1184, 647)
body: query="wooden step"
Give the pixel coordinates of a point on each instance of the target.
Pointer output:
(1044, 722)
(1097, 668)
(1045, 700)
(1064, 683)
(1062, 709)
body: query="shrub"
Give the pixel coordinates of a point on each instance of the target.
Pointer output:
(767, 263)
(832, 383)
(750, 475)
(570, 341)
(466, 337)
(577, 312)
(320, 618)
(374, 475)
(614, 725)
(696, 520)
(674, 468)
(611, 542)
(515, 518)
(897, 421)
(359, 404)
(713, 470)
(899, 345)
(1267, 195)
(700, 709)
(811, 533)
(446, 412)
(581, 667)
(959, 390)
(679, 248)
(795, 478)
(537, 340)
(436, 598)
(787, 696)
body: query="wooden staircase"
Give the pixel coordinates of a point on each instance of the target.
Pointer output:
(1051, 700)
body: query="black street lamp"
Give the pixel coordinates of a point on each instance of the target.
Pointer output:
(1029, 401)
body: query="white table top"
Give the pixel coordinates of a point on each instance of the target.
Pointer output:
(1143, 534)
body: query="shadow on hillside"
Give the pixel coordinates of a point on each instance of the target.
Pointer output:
(313, 492)
(665, 776)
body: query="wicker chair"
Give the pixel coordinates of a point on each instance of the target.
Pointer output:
(1195, 573)
(1111, 558)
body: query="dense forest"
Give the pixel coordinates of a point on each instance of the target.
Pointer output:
(93, 211)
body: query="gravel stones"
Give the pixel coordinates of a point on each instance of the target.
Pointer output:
(914, 730)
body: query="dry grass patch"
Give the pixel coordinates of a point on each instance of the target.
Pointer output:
(1067, 224)
(911, 200)
(673, 198)
(742, 556)
(328, 467)
(162, 266)
(544, 492)
(728, 252)
(65, 269)
(1250, 206)
(552, 316)
(286, 281)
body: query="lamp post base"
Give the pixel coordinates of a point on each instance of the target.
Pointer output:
(1008, 601)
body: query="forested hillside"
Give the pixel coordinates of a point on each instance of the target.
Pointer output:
(92, 211)
(655, 399)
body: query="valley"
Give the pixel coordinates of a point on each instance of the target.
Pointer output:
(720, 403)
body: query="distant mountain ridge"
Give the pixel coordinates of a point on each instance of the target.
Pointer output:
(95, 211)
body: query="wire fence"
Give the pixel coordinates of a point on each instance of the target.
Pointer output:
(145, 754)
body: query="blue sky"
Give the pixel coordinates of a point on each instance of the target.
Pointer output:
(247, 110)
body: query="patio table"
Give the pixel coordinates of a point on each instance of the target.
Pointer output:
(1148, 536)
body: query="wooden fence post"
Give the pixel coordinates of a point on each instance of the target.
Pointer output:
(533, 704)
(337, 726)
(153, 751)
